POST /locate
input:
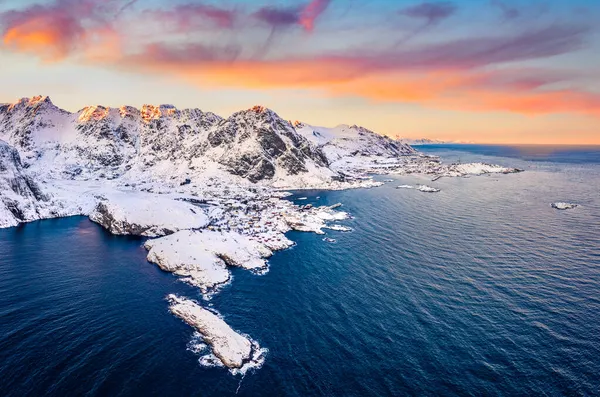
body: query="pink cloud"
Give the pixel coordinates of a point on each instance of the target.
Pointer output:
(311, 12)
(283, 17)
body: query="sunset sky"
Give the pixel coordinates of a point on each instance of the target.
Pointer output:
(490, 71)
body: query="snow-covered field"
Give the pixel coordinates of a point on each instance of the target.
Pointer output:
(209, 191)
(202, 257)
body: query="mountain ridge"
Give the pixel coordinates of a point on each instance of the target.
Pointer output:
(255, 144)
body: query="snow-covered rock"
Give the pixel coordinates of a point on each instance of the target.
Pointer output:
(477, 169)
(564, 206)
(423, 141)
(147, 215)
(258, 145)
(171, 147)
(234, 350)
(427, 189)
(313, 219)
(202, 257)
(421, 188)
(21, 198)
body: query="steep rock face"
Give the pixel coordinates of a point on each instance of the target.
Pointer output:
(257, 142)
(21, 198)
(348, 141)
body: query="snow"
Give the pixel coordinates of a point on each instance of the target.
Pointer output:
(339, 228)
(347, 141)
(233, 349)
(421, 188)
(7, 219)
(427, 189)
(477, 169)
(202, 257)
(313, 219)
(564, 206)
(147, 215)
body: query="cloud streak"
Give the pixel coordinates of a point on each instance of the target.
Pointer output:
(450, 74)
(507, 11)
(431, 13)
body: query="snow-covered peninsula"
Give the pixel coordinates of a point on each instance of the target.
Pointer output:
(208, 192)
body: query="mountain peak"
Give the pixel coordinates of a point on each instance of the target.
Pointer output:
(262, 110)
(97, 112)
(153, 112)
(256, 114)
(37, 100)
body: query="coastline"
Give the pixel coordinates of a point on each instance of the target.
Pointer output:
(208, 192)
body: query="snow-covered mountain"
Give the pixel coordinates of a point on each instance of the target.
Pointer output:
(159, 142)
(349, 141)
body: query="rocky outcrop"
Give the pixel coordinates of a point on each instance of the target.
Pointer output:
(149, 215)
(203, 257)
(564, 206)
(234, 350)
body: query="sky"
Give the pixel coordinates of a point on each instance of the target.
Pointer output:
(485, 71)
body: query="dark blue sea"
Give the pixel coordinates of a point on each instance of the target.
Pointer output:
(481, 289)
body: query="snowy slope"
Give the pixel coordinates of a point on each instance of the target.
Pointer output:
(347, 141)
(21, 198)
(144, 214)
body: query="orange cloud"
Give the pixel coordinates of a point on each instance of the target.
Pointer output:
(58, 29)
(517, 91)
(43, 36)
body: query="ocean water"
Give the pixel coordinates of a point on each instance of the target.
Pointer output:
(481, 289)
